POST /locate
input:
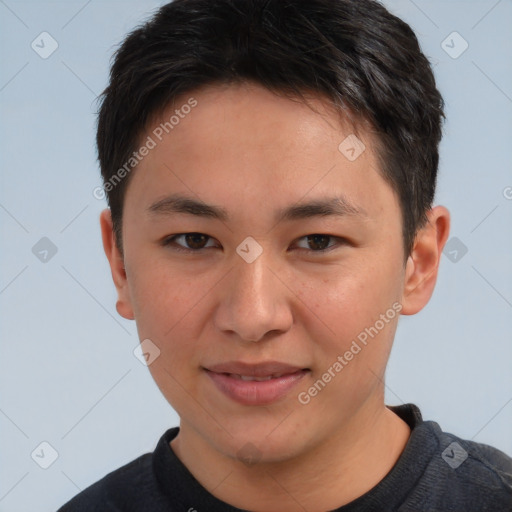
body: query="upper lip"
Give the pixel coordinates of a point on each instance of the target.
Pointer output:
(263, 369)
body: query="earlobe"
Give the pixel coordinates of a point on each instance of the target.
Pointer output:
(116, 262)
(423, 263)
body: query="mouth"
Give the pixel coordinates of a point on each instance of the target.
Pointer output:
(257, 379)
(255, 384)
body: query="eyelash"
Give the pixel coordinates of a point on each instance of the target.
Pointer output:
(170, 242)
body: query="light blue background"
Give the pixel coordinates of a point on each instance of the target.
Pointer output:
(68, 373)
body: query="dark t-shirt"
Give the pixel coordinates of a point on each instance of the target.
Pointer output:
(437, 472)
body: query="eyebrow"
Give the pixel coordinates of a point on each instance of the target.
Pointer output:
(322, 207)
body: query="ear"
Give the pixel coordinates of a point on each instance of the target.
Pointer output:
(423, 262)
(123, 304)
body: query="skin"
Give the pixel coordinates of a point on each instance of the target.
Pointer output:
(253, 152)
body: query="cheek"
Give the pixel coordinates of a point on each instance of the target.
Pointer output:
(165, 311)
(350, 340)
(162, 299)
(346, 305)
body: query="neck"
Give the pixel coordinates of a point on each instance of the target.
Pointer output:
(343, 467)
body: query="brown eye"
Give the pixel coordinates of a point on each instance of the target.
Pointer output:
(320, 242)
(194, 242)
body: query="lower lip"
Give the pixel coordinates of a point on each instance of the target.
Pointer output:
(252, 392)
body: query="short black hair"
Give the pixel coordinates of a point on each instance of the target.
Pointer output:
(354, 53)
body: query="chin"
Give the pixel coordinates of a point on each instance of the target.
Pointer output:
(262, 444)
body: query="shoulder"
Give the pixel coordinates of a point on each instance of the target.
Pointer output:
(149, 482)
(120, 489)
(465, 475)
(477, 460)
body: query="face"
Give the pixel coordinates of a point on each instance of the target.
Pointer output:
(254, 282)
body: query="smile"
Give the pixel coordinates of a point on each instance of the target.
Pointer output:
(256, 389)
(258, 379)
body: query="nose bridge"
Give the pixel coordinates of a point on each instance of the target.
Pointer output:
(252, 280)
(254, 301)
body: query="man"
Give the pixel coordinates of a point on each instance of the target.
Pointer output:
(270, 167)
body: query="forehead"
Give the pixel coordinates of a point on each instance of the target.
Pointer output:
(241, 144)
(252, 115)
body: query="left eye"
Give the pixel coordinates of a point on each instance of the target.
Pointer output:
(196, 242)
(321, 242)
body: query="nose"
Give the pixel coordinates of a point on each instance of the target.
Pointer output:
(254, 302)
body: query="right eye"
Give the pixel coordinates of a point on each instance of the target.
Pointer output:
(195, 241)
